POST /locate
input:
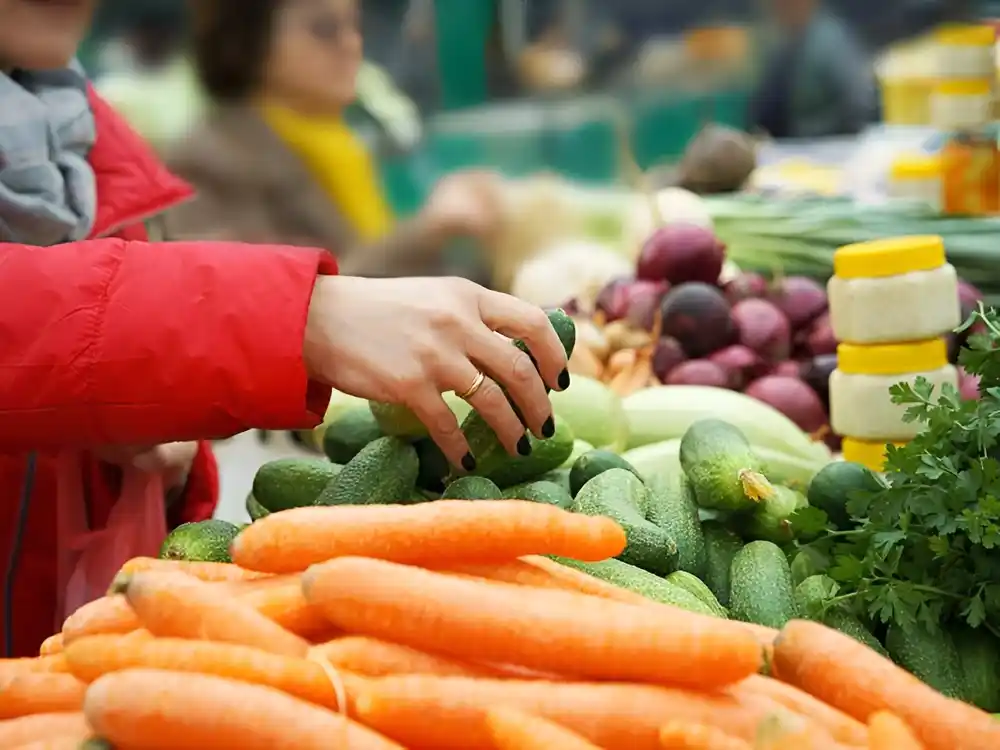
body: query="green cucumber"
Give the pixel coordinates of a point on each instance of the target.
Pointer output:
(770, 519)
(721, 546)
(723, 469)
(622, 496)
(495, 463)
(813, 601)
(292, 482)
(558, 476)
(206, 541)
(255, 510)
(540, 491)
(580, 447)
(760, 586)
(979, 656)
(384, 472)
(830, 489)
(641, 582)
(400, 421)
(351, 431)
(931, 657)
(592, 463)
(672, 507)
(694, 585)
(842, 620)
(472, 488)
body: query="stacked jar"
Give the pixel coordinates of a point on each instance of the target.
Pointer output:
(891, 304)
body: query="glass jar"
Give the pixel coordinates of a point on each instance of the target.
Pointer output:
(970, 174)
(965, 51)
(961, 103)
(860, 404)
(917, 177)
(894, 290)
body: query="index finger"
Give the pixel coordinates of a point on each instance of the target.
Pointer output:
(521, 320)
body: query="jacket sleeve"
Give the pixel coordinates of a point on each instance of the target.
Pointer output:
(111, 342)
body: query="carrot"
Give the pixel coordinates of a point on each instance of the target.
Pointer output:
(64, 742)
(39, 693)
(177, 605)
(449, 712)
(851, 677)
(516, 730)
(205, 571)
(54, 663)
(91, 658)
(837, 724)
(546, 630)
(109, 614)
(41, 727)
(440, 533)
(372, 657)
(887, 731)
(285, 604)
(683, 735)
(141, 709)
(51, 645)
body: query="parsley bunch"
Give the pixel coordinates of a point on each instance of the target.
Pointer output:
(927, 547)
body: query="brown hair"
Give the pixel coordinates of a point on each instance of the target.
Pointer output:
(231, 43)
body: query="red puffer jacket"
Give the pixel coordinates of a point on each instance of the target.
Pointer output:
(119, 341)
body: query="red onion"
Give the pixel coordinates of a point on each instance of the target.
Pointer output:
(698, 316)
(793, 398)
(745, 286)
(820, 338)
(739, 362)
(969, 296)
(698, 372)
(787, 369)
(679, 253)
(667, 354)
(816, 373)
(761, 326)
(968, 385)
(643, 300)
(801, 299)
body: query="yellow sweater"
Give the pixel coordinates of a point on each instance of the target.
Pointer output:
(339, 161)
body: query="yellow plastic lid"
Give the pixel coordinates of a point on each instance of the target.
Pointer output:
(892, 359)
(916, 167)
(870, 453)
(965, 35)
(964, 86)
(890, 257)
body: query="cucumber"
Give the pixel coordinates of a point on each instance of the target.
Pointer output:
(931, 657)
(472, 488)
(979, 656)
(641, 582)
(721, 546)
(842, 620)
(724, 471)
(621, 495)
(808, 562)
(400, 421)
(831, 487)
(694, 585)
(349, 433)
(558, 476)
(812, 599)
(760, 586)
(206, 541)
(433, 465)
(292, 482)
(254, 509)
(580, 447)
(592, 463)
(494, 462)
(384, 472)
(672, 507)
(770, 518)
(540, 492)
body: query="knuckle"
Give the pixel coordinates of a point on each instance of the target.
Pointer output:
(443, 424)
(523, 371)
(491, 395)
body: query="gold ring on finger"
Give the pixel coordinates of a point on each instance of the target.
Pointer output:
(474, 388)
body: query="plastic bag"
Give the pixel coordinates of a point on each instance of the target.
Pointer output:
(89, 559)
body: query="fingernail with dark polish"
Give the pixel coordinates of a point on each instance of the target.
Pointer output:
(564, 380)
(524, 446)
(469, 462)
(549, 428)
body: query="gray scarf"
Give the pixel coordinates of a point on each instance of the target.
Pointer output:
(48, 192)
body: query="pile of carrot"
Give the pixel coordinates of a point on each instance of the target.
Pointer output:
(444, 625)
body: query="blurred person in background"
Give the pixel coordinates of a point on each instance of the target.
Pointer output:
(274, 160)
(816, 79)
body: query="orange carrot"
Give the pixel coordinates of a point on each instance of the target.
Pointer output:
(92, 657)
(887, 731)
(179, 606)
(149, 708)
(546, 630)
(837, 724)
(53, 663)
(205, 571)
(51, 645)
(41, 727)
(371, 657)
(284, 604)
(39, 693)
(448, 713)
(64, 742)
(441, 533)
(109, 614)
(683, 735)
(851, 677)
(515, 730)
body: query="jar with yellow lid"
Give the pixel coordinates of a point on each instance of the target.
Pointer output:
(917, 177)
(962, 103)
(870, 453)
(860, 405)
(965, 51)
(894, 290)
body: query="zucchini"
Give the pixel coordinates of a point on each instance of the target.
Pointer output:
(722, 468)
(384, 472)
(760, 587)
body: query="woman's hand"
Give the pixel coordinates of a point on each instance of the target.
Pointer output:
(465, 204)
(171, 460)
(407, 341)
